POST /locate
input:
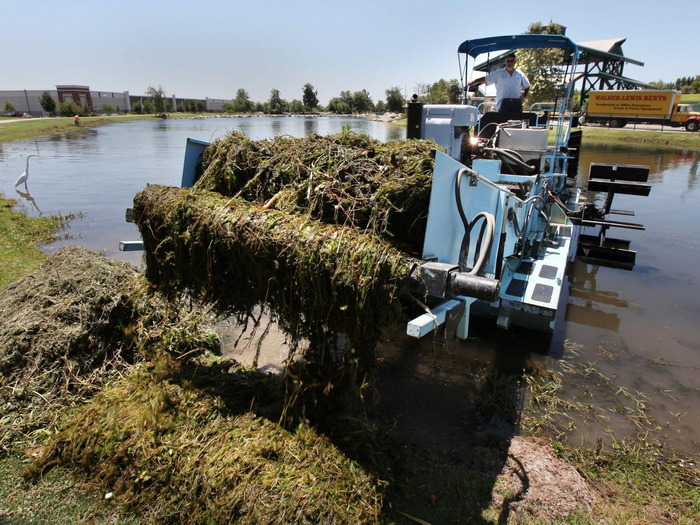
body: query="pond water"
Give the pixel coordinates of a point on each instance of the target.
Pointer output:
(640, 328)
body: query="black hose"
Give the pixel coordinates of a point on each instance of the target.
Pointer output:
(512, 156)
(486, 127)
(487, 229)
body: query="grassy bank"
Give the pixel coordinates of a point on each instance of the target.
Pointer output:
(28, 129)
(19, 236)
(656, 139)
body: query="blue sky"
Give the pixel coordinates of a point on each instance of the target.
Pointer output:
(212, 48)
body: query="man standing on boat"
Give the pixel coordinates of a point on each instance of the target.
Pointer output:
(512, 86)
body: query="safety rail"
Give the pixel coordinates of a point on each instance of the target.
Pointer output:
(479, 108)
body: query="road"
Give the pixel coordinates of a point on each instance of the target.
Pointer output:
(640, 127)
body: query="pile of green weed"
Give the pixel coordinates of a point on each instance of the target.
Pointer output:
(347, 178)
(168, 449)
(336, 288)
(66, 329)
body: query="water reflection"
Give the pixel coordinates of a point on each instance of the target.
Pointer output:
(658, 160)
(586, 301)
(639, 328)
(28, 197)
(309, 127)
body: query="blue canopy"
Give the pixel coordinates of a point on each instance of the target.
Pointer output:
(478, 46)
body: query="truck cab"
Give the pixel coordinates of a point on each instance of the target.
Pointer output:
(686, 117)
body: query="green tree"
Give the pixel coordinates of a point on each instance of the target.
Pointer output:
(47, 102)
(337, 105)
(107, 108)
(68, 109)
(199, 106)
(148, 106)
(296, 106)
(157, 96)
(310, 100)
(9, 106)
(347, 99)
(276, 104)
(362, 102)
(542, 66)
(380, 107)
(242, 102)
(137, 108)
(455, 93)
(394, 99)
(695, 87)
(438, 92)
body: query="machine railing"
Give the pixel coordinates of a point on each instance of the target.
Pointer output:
(562, 131)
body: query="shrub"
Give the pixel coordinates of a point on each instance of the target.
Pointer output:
(68, 109)
(107, 108)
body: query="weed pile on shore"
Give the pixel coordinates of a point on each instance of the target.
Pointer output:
(174, 454)
(69, 327)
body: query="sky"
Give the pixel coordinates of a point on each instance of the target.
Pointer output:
(213, 48)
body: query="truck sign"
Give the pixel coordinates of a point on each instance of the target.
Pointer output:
(632, 103)
(617, 108)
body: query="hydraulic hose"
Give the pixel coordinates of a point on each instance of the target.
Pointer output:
(510, 157)
(487, 231)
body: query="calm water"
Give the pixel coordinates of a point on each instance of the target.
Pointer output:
(640, 328)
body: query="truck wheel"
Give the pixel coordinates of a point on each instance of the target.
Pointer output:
(692, 125)
(617, 123)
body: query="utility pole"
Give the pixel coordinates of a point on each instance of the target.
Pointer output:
(27, 97)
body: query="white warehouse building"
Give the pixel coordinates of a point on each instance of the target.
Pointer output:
(29, 100)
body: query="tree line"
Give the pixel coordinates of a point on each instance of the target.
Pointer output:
(685, 85)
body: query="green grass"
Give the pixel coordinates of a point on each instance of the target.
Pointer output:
(10, 131)
(19, 235)
(54, 499)
(693, 98)
(683, 140)
(639, 484)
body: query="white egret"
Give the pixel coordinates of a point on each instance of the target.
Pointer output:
(23, 178)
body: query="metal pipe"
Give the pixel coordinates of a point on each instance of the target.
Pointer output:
(474, 286)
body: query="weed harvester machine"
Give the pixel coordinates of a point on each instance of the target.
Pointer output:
(503, 219)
